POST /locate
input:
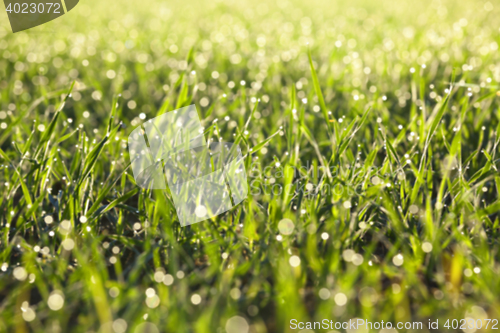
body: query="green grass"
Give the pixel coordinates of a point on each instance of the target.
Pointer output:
(344, 99)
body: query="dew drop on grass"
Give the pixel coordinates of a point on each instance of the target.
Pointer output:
(28, 314)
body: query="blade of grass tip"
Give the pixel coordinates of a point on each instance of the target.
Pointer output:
(240, 136)
(34, 207)
(24, 188)
(65, 169)
(497, 133)
(293, 98)
(251, 114)
(363, 118)
(440, 113)
(490, 209)
(319, 94)
(27, 196)
(346, 137)
(23, 185)
(50, 130)
(67, 136)
(241, 133)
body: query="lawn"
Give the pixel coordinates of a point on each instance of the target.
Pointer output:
(370, 132)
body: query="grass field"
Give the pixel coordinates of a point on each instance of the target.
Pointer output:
(371, 132)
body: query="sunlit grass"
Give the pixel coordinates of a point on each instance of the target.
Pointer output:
(370, 131)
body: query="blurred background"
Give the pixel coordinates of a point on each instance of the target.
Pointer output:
(399, 100)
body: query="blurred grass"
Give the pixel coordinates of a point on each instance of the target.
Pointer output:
(398, 101)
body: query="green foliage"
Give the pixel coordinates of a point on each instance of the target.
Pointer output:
(370, 132)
